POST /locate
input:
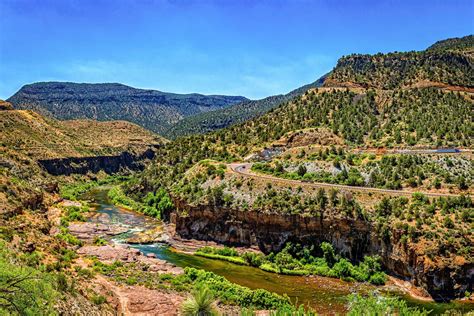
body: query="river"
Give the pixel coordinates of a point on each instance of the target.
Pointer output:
(325, 295)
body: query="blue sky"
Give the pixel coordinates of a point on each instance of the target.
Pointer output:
(250, 48)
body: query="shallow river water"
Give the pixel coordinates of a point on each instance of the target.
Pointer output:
(325, 295)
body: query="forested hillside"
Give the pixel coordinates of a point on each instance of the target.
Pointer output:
(154, 110)
(457, 43)
(238, 113)
(425, 116)
(447, 62)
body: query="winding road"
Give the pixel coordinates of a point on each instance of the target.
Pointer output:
(244, 169)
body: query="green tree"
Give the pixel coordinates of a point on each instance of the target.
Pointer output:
(301, 170)
(328, 253)
(462, 185)
(322, 198)
(333, 198)
(279, 168)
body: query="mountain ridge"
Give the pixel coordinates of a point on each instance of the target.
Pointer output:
(237, 113)
(447, 62)
(152, 109)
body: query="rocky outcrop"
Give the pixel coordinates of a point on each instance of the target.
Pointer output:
(87, 231)
(352, 238)
(110, 253)
(108, 164)
(4, 105)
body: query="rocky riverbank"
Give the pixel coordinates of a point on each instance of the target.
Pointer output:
(111, 253)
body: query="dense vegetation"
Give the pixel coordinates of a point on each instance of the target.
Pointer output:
(442, 225)
(389, 172)
(73, 191)
(295, 259)
(355, 117)
(419, 116)
(153, 204)
(221, 288)
(380, 305)
(151, 109)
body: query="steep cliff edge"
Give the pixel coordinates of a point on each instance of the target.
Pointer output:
(352, 238)
(108, 164)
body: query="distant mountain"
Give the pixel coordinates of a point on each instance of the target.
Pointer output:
(152, 109)
(238, 113)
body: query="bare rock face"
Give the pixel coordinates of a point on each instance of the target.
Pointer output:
(320, 136)
(352, 238)
(108, 164)
(143, 301)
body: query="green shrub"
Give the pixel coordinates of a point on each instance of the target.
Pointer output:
(236, 260)
(62, 282)
(70, 239)
(269, 268)
(328, 252)
(200, 303)
(99, 241)
(253, 259)
(231, 293)
(74, 214)
(98, 299)
(83, 272)
(378, 278)
(118, 197)
(153, 204)
(380, 305)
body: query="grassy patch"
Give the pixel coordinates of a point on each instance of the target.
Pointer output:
(75, 190)
(236, 260)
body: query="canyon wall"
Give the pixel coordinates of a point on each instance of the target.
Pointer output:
(108, 164)
(352, 238)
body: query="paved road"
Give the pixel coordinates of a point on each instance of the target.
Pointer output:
(244, 169)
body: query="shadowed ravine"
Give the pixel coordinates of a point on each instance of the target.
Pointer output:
(326, 295)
